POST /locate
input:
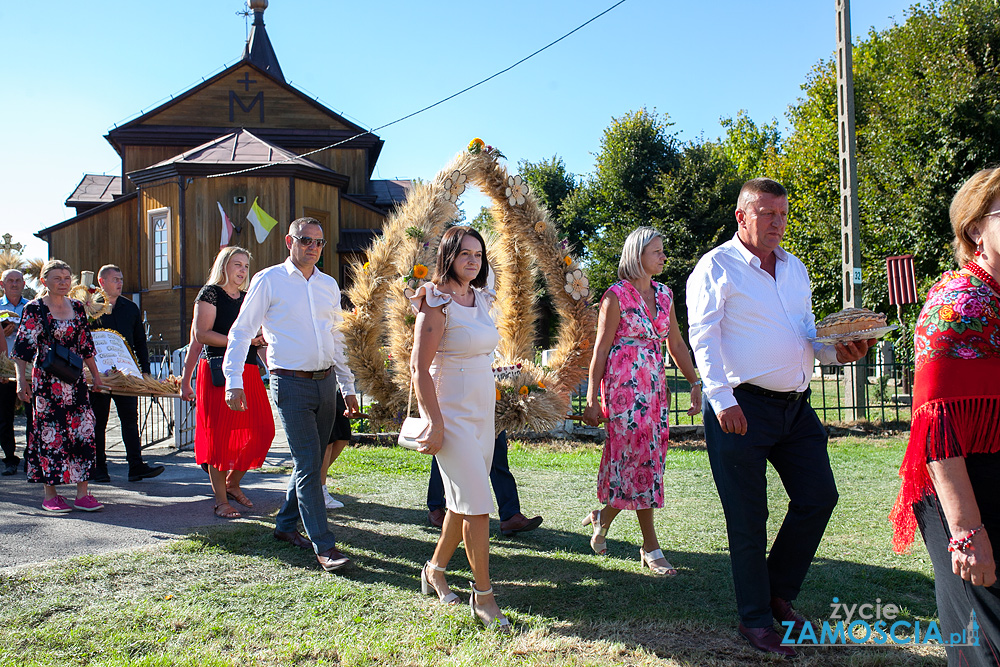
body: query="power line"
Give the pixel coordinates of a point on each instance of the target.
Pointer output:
(429, 106)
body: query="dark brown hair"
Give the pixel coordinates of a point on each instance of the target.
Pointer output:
(451, 244)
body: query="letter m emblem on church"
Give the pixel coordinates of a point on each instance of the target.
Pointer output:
(234, 100)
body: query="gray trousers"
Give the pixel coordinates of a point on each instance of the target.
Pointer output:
(307, 409)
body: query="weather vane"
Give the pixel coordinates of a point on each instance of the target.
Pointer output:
(245, 13)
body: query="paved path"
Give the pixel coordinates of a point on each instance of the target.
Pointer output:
(135, 513)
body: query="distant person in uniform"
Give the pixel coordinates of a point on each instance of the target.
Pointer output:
(126, 319)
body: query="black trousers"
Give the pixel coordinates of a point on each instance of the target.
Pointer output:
(789, 435)
(504, 486)
(957, 599)
(127, 408)
(8, 404)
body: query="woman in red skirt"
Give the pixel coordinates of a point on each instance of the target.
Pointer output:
(228, 442)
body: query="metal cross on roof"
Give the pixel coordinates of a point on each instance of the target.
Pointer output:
(7, 246)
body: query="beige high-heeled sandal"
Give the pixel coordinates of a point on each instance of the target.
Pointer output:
(647, 559)
(594, 519)
(500, 622)
(427, 588)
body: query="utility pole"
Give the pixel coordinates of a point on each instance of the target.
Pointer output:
(855, 380)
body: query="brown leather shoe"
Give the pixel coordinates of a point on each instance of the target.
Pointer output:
(332, 559)
(519, 524)
(436, 518)
(784, 612)
(295, 538)
(767, 640)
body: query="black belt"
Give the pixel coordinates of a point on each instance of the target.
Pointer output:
(780, 395)
(308, 375)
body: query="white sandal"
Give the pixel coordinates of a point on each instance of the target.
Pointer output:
(594, 519)
(647, 559)
(501, 622)
(427, 588)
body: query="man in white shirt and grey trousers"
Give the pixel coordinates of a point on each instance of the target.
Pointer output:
(299, 308)
(750, 312)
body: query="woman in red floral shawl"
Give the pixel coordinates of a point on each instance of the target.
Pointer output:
(951, 470)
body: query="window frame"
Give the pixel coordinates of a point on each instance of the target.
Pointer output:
(153, 216)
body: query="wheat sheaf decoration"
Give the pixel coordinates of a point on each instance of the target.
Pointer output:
(379, 330)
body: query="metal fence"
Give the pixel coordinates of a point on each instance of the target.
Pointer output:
(156, 415)
(887, 397)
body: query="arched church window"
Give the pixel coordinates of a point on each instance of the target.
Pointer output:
(159, 245)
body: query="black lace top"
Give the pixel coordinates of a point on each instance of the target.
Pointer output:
(226, 310)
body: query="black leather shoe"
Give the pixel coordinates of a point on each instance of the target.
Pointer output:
(519, 524)
(783, 612)
(100, 474)
(295, 538)
(143, 471)
(767, 640)
(10, 468)
(436, 518)
(332, 559)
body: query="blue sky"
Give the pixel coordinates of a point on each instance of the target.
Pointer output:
(74, 69)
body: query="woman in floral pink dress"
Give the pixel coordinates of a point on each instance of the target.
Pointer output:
(637, 315)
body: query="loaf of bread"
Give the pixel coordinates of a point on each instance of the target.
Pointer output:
(849, 320)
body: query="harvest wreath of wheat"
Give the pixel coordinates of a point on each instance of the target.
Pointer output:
(379, 330)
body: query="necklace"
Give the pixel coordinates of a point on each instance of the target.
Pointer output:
(981, 273)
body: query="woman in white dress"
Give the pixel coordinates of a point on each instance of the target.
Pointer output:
(454, 339)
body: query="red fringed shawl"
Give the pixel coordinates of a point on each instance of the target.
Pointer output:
(956, 390)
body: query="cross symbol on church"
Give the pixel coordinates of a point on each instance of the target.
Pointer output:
(7, 246)
(246, 81)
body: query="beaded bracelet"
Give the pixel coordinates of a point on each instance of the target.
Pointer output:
(963, 543)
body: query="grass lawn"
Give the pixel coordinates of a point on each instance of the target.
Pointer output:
(233, 595)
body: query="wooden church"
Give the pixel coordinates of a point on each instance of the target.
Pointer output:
(160, 220)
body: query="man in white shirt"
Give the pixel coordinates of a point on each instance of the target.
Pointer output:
(299, 308)
(750, 312)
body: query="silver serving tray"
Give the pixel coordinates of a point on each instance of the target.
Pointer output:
(877, 332)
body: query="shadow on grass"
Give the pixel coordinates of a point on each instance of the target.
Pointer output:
(552, 574)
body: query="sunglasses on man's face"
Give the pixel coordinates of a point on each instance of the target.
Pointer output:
(308, 242)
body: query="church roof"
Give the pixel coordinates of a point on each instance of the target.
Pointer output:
(234, 151)
(388, 193)
(258, 49)
(95, 189)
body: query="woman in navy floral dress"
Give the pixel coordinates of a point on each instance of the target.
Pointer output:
(60, 446)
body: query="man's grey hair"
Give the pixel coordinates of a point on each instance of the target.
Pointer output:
(9, 272)
(295, 229)
(630, 265)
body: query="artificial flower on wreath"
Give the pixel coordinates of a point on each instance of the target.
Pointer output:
(577, 284)
(540, 226)
(516, 190)
(454, 186)
(476, 145)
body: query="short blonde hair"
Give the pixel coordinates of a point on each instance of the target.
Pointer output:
(630, 264)
(218, 275)
(970, 205)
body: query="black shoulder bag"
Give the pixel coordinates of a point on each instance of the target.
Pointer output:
(63, 363)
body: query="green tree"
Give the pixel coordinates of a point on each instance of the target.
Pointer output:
(694, 208)
(549, 181)
(927, 116)
(635, 151)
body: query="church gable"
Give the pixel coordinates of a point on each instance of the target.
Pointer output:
(244, 96)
